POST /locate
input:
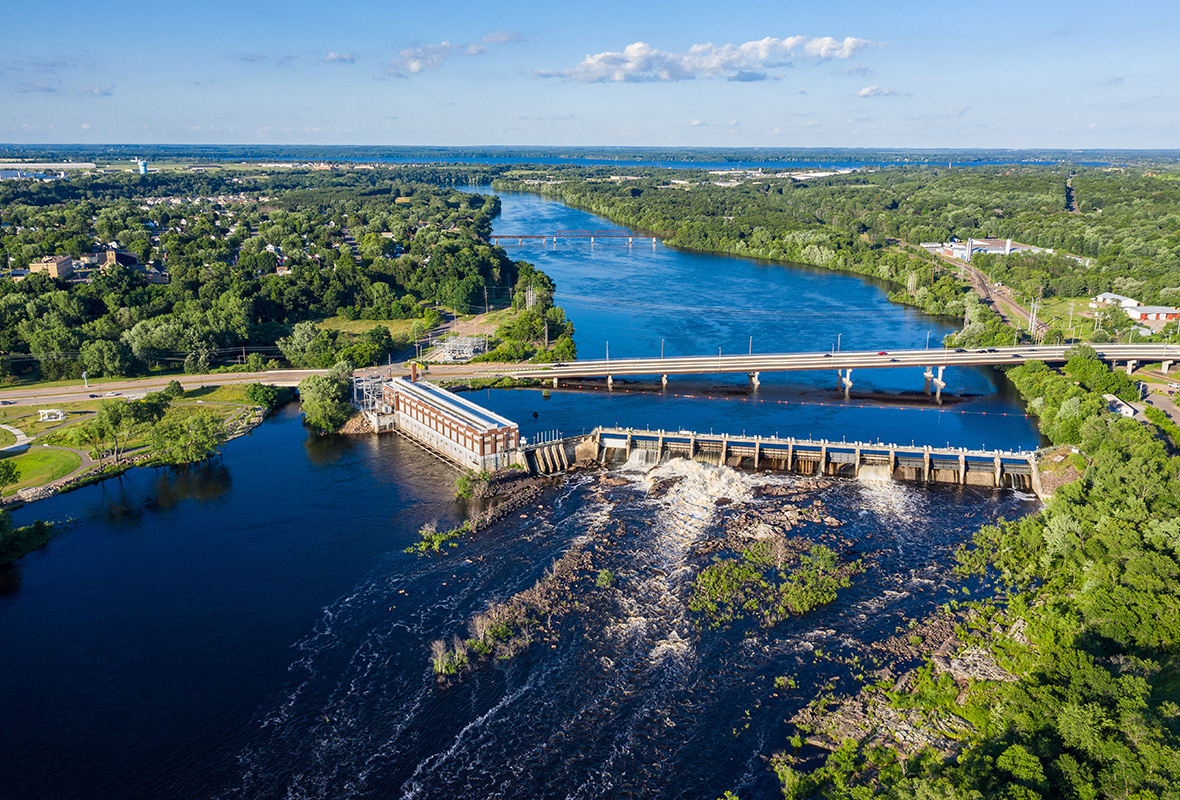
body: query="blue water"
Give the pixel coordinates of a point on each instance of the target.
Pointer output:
(251, 627)
(641, 300)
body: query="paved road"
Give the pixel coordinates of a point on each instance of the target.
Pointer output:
(691, 365)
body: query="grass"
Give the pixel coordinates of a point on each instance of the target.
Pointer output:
(25, 417)
(398, 328)
(229, 393)
(41, 465)
(1054, 312)
(6, 438)
(32, 381)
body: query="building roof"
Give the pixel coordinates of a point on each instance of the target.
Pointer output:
(1153, 310)
(1106, 296)
(452, 404)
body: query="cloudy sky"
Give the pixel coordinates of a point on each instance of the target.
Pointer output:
(761, 73)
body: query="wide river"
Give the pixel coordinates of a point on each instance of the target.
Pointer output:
(251, 627)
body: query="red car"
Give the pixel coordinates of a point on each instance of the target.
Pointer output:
(882, 353)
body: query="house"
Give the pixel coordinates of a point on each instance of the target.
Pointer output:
(1153, 313)
(1111, 299)
(282, 270)
(50, 415)
(1117, 406)
(965, 250)
(56, 266)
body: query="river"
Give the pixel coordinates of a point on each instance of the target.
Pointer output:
(251, 627)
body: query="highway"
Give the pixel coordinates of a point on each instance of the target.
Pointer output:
(784, 362)
(684, 365)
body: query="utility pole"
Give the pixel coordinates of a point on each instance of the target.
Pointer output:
(485, 299)
(751, 345)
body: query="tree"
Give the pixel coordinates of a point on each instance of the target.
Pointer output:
(9, 473)
(116, 419)
(185, 438)
(174, 390)
(325, 398)
(104, 357)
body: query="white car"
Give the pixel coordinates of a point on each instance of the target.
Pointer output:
(1174, 385)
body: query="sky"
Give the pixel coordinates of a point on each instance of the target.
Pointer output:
(754, 73)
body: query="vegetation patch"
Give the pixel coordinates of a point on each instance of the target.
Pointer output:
(39, 466)
(769, 581)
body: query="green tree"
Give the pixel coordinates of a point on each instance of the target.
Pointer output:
(325, 398)
(9, 474)
(184, 438)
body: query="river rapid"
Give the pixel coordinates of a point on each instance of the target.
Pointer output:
(251, 627)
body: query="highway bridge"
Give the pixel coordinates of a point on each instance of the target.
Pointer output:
(844, 362)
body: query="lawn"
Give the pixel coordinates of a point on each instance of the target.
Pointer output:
(6, 438)
(26, 418)
(228, 393)
(40, 465)
(398, 328)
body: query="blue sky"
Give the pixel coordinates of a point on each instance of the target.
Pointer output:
(759, 74)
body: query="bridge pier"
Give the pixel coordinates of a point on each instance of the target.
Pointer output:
(555, 383)
(962, 470)
(846, 381)
(664, 381)
(1165, 366)
(754, 379)
(1131, 367)
(926, 464)
(939, 384)
(610, 383)
(757, 446)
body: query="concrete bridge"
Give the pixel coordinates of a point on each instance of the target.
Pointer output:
(935, 363)
(593, 236)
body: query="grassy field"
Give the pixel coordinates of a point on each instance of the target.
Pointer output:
(41, 465)
(1055, 312)
(26, 419)
(6, 438)
(398, 328)
(230, 393)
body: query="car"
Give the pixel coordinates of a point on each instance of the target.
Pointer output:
(96, 395)
(991, 349)
(112, 394)
(1174, 385)
(6, 402)
(893, 361)
(981, 351)
(882, 353)
(1017, 355)
(960, 350)
(827, 355)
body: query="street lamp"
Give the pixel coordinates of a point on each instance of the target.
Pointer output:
(838, 335)
(927, 340)
(608, 352)
(661, 349)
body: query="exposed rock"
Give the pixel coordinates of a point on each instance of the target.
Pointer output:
(357, 425)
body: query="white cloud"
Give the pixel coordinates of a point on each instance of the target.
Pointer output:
(502, 37)
(875, 91)
(414, 60)
(85, 126)
(339, 58)
(97, 91)
(639, 61)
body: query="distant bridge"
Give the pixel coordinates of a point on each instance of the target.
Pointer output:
(614, 233)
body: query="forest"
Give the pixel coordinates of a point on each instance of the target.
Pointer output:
(1085, 616)
(252, 261)
(1126, 236)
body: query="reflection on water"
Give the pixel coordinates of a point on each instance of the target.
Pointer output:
(204, 481)
(9, 578)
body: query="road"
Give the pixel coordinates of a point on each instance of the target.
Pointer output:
(685, 365)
